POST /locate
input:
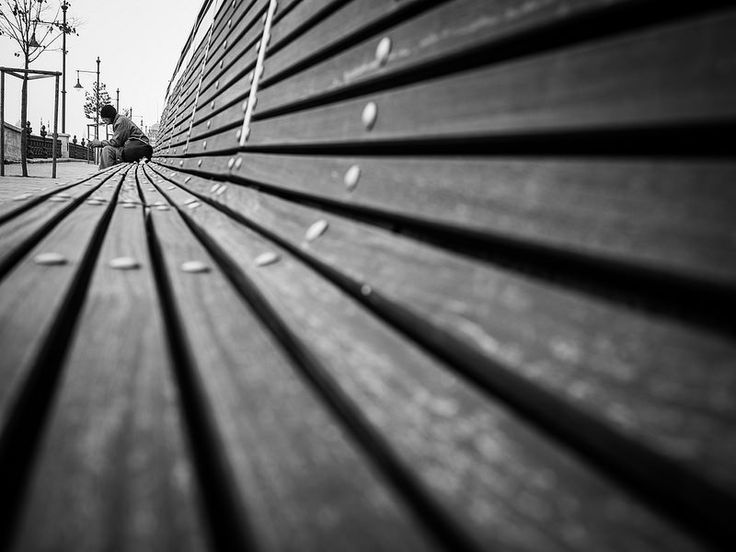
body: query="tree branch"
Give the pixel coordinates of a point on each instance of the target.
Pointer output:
(11, 29)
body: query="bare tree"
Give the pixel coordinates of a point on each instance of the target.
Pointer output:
(90, 100)
(27, 22)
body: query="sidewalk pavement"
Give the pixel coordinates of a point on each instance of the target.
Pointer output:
(39, 177)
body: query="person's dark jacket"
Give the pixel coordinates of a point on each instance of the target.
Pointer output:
(123, 130)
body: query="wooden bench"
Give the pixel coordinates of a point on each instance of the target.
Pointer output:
(405, 276)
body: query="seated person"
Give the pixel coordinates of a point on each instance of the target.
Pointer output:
(128, 143)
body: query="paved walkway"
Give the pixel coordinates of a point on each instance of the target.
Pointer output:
(39, 177)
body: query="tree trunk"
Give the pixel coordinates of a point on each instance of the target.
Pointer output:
(23, 117)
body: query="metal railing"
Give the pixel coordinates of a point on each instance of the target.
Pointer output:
(39, 147)
(80, 152)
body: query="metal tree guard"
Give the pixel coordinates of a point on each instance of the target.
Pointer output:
(30, 75)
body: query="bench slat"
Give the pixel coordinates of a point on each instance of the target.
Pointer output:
(24, 323)
(441, 36)
(22, 231)
(301, 480)
(674, 75)
(218, 56)
(238, 38)
(675, 216)
(643, 375)
(113, 469)
(396, 385)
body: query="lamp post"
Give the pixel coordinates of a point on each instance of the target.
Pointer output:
(79, 86)
(64, 7)
(117, 100)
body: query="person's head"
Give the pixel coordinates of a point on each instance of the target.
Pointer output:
(108, 114)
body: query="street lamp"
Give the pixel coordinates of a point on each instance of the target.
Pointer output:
(65, 29)
(64, 7)
(79, 86)
(117, 100)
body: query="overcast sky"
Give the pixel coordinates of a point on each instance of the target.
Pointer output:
(138, 42)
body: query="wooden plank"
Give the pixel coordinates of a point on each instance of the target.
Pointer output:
(32, 294)
(441, 37)
(236, 61)
(299, 475)
(217, 56)
(675, 216)
(33, 301)
(187, 85)
(230, 14)
(674, 75)
(292, 18)
(234, 86)
(348, 20)
(181, 101)
(476, 457)
(231, 86)
(113, 467)
(228, 48)
(21, 232)
(642, 375)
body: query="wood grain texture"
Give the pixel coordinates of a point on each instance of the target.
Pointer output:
(184, 94)
(113, 470)
(234, 83)
(219, 67)
(676, 216)
(349, 19)
(677, 74)
(229, 86)
(299, 16)
(435, 36)
(644, 375)
(238, 36)
(31, 296)
(476, 456)
(301, 478)
(21, 231)
(232, 16)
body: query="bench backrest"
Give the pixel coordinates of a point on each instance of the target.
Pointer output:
(565, 169)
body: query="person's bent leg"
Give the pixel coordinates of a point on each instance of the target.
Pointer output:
(109, 156)
(136, 150)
